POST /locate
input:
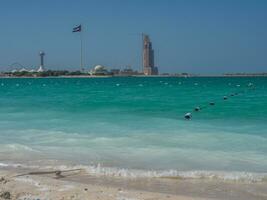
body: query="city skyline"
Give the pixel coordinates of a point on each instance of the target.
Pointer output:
(194, 37)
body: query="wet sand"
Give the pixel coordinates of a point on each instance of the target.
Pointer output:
(79, 185)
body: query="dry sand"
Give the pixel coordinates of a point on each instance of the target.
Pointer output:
(44, 188)
(82, 187)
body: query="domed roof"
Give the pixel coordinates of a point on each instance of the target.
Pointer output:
(99, 67)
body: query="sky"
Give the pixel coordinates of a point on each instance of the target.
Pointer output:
(195, 36)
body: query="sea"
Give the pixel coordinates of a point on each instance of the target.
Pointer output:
(135, 126)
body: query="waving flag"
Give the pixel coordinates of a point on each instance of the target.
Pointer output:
(77, 29)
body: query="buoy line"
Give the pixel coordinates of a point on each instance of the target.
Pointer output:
(250, 87)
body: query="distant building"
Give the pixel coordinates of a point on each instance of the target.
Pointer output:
(41, 68)
(32, 71)
(99, 70)
(128, 72)
(148, 57)
(23, 70)
(115, 71)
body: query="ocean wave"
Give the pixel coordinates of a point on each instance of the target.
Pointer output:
(98, 170)
(18, 147)
(133, 173)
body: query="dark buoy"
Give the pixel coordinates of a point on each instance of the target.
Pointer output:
(225, 98)
(232, 95)
(212, 103)
(188, 116)
(197, 109)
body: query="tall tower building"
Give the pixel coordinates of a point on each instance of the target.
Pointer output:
(148, 57)
(41, 68)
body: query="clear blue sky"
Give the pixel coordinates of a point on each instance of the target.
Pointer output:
(199, 36)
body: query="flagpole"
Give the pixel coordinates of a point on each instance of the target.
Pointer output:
(143, 66)
(81, 37)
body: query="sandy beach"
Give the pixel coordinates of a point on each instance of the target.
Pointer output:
(40, 187)
(79, 186)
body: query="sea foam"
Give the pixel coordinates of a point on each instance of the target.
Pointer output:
(98, 170)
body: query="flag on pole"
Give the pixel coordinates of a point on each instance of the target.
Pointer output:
(77, 29)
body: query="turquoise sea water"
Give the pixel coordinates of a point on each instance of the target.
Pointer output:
(136, 124)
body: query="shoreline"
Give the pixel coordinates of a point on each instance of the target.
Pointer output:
(96, 77)
(141, 76)
(80, 185)
(99, 170)
(76, 182)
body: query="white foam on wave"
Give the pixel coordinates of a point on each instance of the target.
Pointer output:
(98, 170)
(15, 165)
(3, 165)
(132, 173)
(19, 147)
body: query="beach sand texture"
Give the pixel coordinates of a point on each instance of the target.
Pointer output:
(79, 186)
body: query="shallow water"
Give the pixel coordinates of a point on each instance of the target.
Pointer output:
(136, 124)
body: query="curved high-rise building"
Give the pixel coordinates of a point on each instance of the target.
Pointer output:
(148, 57)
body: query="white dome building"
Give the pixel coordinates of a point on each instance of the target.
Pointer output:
(99, 67)
(99, 70)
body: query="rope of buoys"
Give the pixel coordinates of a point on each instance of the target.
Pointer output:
(197, 109)
(250, 86)
(188, 116)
